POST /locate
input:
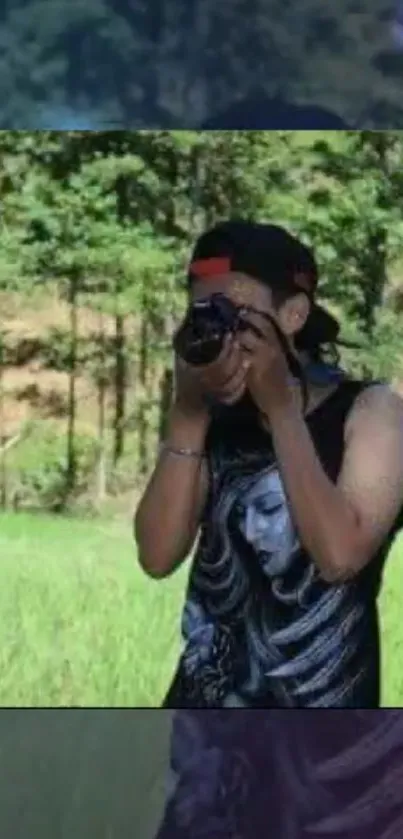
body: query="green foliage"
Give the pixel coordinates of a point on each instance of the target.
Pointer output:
(380, 355)
(385, 349)
(105, 220)
(56, 353)
(38, 467)
(353, 216)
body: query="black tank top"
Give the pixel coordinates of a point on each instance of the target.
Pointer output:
(261, 628)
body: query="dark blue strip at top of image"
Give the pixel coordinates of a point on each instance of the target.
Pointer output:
(191, 64)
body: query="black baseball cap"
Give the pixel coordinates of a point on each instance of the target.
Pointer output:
(270, 254)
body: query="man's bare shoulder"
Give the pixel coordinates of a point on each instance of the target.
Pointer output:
(371, 477)
(379, 405)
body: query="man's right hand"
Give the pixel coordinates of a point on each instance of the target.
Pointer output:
(223, 380)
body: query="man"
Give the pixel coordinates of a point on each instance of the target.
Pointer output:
(296, 486)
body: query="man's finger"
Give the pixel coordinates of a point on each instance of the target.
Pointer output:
(235, 395)
(250, 342)
(236, 380)
(227, 350)
(222, 370)
(221, 360)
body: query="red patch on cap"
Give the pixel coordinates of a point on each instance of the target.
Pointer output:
(211, 267)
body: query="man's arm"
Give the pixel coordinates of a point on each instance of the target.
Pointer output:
(168, 517)
(343, 526)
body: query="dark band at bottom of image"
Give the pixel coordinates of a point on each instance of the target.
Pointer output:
(243, 774)
(131, 773)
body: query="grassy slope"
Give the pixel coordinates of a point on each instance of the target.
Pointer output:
(81, 625)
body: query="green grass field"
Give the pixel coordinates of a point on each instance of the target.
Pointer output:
(81, 624)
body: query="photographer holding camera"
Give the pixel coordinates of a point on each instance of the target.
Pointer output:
(293, 474)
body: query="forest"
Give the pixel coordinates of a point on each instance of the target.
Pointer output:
(139, 64)
(96, 232)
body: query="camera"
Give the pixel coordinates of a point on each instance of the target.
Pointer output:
(200, 338)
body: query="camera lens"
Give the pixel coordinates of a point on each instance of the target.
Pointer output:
(200, 339)
(198, 350)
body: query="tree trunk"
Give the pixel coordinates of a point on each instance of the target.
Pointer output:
(120, 387)
(101, 476)
(143, 380)
(376, 278)
(71, 467)
(122, 204)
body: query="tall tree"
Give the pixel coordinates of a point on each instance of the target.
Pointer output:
(354, 216)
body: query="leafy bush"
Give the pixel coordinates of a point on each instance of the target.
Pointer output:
(56, 350)
(38, 467)
(380, 357)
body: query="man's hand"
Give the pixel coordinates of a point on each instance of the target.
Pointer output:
(223, 379)
(268, 377)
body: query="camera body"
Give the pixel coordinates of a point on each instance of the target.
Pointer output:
(200, 338)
